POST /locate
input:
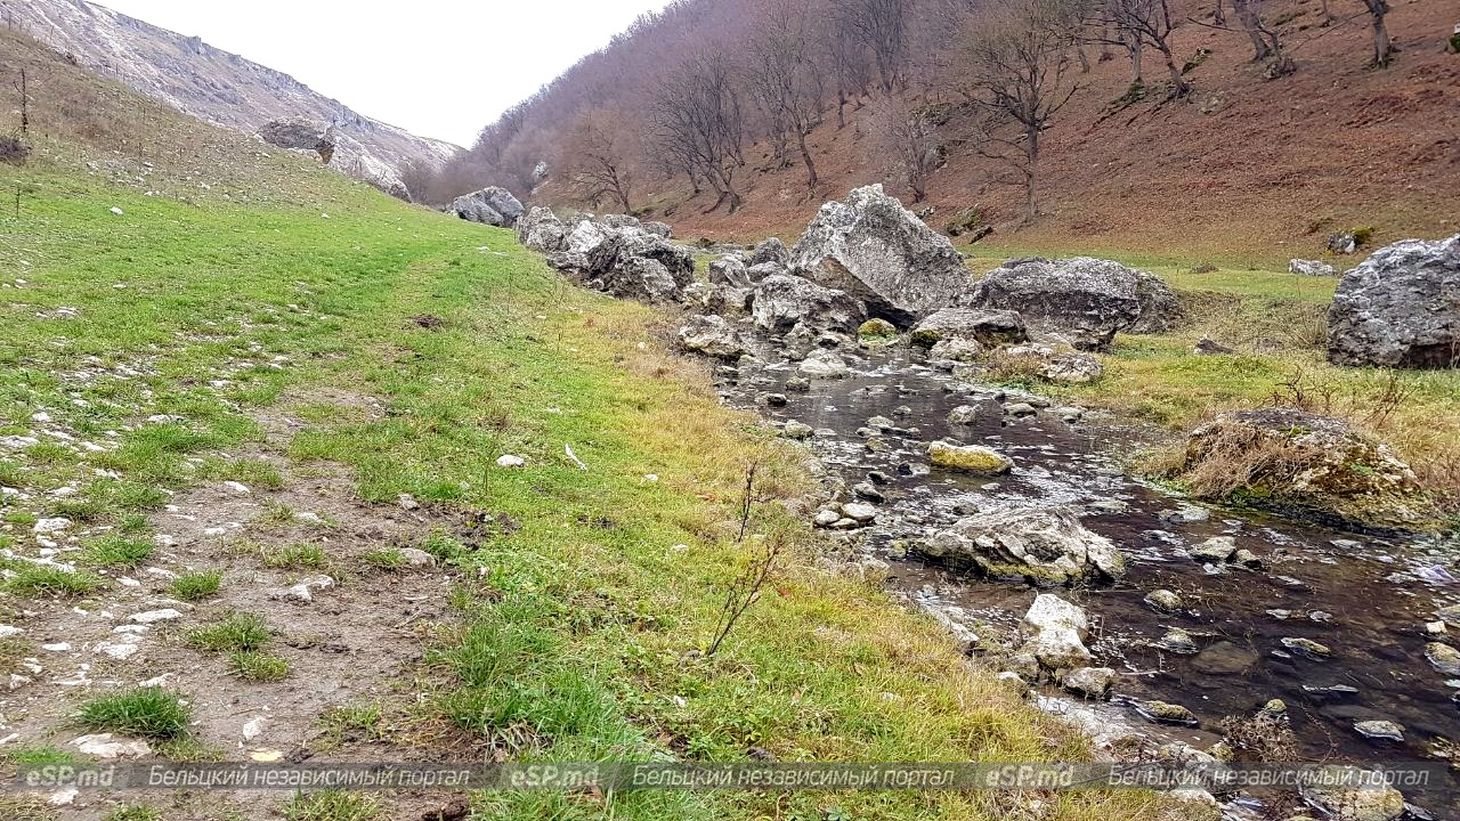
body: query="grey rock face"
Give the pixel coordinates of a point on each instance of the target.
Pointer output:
(712, 336)
(872, 247)
(988, 327)
(729, 270)
(617, 256)
(541, 230)
(771, 250)
(1400, 308)
(1049, 543)
(489, 206)
(1086, 299)
(782, 302)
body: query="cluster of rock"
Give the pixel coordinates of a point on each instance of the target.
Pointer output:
(1046, 545)
(617, 253)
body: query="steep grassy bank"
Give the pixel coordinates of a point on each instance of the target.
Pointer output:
(163, 340)
(1277, 324)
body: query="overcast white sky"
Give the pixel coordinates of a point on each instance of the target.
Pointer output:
(439, 68)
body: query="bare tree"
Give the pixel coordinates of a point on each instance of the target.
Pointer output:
(1139, 23)
(1266, 43)
(847, 59)
(785, 82)
(880, 26)
(696, 118)
(1383, 46)
(1019, 61)
(906, 140)
(597, 162)
(23, 86)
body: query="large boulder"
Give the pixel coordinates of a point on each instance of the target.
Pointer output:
(1084, 299)
(987, 327)
(878, 251)
(1291, 460)
(771, 250)
(489, 206)
(1058, 630)
(1400, 308)
(711, 335)
(541, 230)
(1048, 545)
(783, 302)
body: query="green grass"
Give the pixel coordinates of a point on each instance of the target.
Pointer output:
(136, 812)
(27, 756)
(117, 551)
(574, 626)
(296, 557)
(353, 722)
(36, 581)
(197, 585)
(149, 712)
(251, 665)
(239, 632)
(385, 558)
(332, 805)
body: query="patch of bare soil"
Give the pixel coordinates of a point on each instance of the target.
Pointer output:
(354, 648)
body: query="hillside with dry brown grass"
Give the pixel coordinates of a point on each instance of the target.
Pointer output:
(1241, 168)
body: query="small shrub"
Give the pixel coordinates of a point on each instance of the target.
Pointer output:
(332, 805)
(196, 586)
(117, 551)
(150, 712)
(255, 666)
(238, 632)
(41, 580)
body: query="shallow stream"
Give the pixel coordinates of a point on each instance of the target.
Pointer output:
(1367, 598)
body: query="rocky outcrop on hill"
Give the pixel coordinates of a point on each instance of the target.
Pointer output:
(489, 206)
(873, 248)
(222, 88)
(1400, 308)
(1083, 299)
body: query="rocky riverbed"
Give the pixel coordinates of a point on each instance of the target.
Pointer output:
(1217, 612)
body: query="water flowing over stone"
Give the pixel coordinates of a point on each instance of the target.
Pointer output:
(1049, 544)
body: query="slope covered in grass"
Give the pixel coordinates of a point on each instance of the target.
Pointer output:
(163, 341)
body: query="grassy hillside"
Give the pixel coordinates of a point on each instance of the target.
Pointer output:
(257, 373)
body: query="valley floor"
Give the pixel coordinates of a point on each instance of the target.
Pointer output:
(208, 407)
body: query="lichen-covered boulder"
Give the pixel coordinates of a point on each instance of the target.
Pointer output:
(1047, 545)
(987, 327)
(1290, 460)
(782, 302)
(1087, 300)
(1400, 308)
(729, 270)
(489, 206)
(872, 247)
(617, 256)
